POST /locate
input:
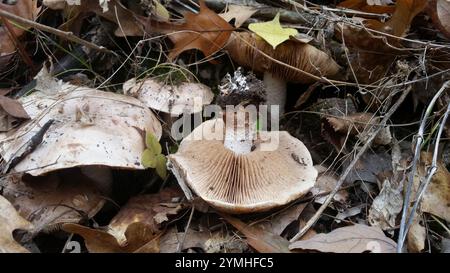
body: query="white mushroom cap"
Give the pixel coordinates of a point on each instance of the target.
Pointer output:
(172, 99)
(242, 183)
(90, 127)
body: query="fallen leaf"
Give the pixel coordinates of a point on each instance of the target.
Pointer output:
(11, 114)
(368, 166)
(386, 206)
(272, 32)
(352, 239)
(11, 220)
(49, 201)
(326, 183)
(440, 14)
(370, 6)
(205, 31)
(349, 212)
(151, 210)
(172, 239)
(24, 8)
(416, 237)
(436, 199)
(225, 243)
(261, 240)
(239, 13)
(278, 222)
(445, 245)
(137, 236)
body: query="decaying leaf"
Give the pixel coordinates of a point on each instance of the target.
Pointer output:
(240, 14)
(352, 239)
(10, 220)
(361, 124)
(371, 57)
(225, 243)
(151, 210)
(386, 206)
(205, 31)
(278, 222)
(370, 6)
(272, 32)
(368, 166)
(11, 113)
(326, 183)
(436, 199)
(440, 13)
(137, 236)
(261, 240)
(24, 8)
(416, 237)
(49, 201)
(172, 240)
(136, 225)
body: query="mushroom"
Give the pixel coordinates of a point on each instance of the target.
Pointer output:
(291, 61)
(173, 99)
(87, 127)
(239, 175)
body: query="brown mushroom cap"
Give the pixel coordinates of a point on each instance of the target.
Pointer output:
(244, 48)
(242, 183)
(172, 99)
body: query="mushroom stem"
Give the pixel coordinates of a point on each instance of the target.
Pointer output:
(240, 131)
(276, 91)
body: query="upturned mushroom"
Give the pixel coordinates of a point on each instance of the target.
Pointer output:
(238, 169)
(291, 61)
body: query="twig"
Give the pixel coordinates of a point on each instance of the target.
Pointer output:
(63, 34)
(29, 147)
(418, 146)
(344, 175)
(180, 244)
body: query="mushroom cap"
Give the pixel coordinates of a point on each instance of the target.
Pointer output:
(245, 49)
(257, 181)
(172, 99)
(90, 127)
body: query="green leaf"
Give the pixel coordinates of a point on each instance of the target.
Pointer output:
(152, 143)
(272, 32)
(149, 159)
(161, 168)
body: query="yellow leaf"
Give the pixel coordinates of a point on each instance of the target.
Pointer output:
(161, 168)
(148, 159)
(161, 11)
(272, 32)
(152, 143)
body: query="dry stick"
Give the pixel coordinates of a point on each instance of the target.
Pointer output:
(63, 34)
(382, 124)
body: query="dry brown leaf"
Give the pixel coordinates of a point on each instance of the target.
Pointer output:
(49, 201)
(140, 237)
(11, 113)
(261, 240)
(10, 220)
(386, 206)
(371, 6)
(326, 183)
(239, 13)
(351, 239)
(370, 56)
(436, 199)
(24, 8)
(416, 237)
(171, 240)
(440, 13)
(278, 222)
(205, 31)
(151, 210)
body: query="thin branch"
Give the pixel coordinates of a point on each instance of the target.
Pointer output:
(63, 34)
